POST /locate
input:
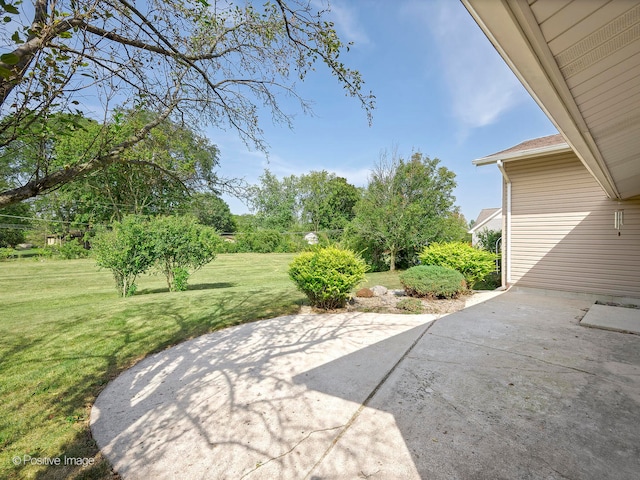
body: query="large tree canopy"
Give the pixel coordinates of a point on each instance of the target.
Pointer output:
(318, 200)
(155, 176)
(191, 60)
(406, 205)
(326, 200)
(274, 201)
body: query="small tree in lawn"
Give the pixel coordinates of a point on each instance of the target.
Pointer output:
(407, 204)
(126, 250)
(181, 246)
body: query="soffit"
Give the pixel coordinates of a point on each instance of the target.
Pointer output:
(580, 60)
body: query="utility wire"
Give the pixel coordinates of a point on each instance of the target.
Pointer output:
(23, 226)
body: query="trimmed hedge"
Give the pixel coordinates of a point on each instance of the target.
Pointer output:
(473, 263)
(432, 281)
(327, 275)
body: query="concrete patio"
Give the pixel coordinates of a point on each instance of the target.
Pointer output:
(510, 388)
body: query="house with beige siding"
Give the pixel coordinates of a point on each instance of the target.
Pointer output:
(560, 230)
(571, 202)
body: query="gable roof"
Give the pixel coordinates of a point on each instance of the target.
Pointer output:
(579, 61)
(528, 149)
(542, 142)
(484, 217)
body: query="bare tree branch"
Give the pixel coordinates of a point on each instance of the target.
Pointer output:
(229, 63)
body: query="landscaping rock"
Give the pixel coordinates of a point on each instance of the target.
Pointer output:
(379, 290)
(364, 293)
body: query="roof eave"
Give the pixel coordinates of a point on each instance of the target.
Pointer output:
(513, 31)
(523, 154)
(485, 221)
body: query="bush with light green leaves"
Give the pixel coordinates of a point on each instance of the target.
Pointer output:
(175, 245)
(327, 276)
(181, 246)
(127, 250)
(473, 263)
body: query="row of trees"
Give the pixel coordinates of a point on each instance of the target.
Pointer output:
(407, 204)
(317, 201)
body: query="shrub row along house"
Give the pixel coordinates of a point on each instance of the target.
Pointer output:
(571, 202)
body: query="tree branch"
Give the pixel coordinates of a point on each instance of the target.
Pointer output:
(54, 180)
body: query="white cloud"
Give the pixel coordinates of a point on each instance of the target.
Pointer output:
(281, 167)
(358, 177)
(346, 21)
(481, 85)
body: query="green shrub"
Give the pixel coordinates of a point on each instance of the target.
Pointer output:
(181, 246)
(127, 251)
(180, 279)
(473, 263)
(71, 249)
(327, 275)
(49, 251)
(270, 241)
(7, 253)
(432, 281)
(259, 241)
(411, 305)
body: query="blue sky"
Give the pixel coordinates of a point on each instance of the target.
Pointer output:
(441, 89)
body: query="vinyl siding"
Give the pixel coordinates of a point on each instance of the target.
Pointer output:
(563, 235)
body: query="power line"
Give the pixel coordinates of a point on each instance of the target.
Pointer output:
(26, 227)
(53, 221)
(14, 226)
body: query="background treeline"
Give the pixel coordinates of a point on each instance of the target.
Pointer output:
(407, 204)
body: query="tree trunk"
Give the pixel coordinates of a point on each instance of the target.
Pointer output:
(392, 260)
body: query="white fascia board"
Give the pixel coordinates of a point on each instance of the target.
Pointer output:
(476, 226)
(523, 154)
(512, 29)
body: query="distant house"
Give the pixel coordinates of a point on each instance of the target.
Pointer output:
(311, 238)
(53, 240)
(571, 202)
(59, 239)
(488, 219)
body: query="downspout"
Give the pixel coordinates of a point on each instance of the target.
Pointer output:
(506, 245)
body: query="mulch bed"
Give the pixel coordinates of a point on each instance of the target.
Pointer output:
(388, 303)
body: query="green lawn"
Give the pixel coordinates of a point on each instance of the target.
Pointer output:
(64, 333)
(386, 279)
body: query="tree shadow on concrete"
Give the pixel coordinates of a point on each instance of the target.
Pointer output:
(74, 403)
(512, 388)
(225, 403)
